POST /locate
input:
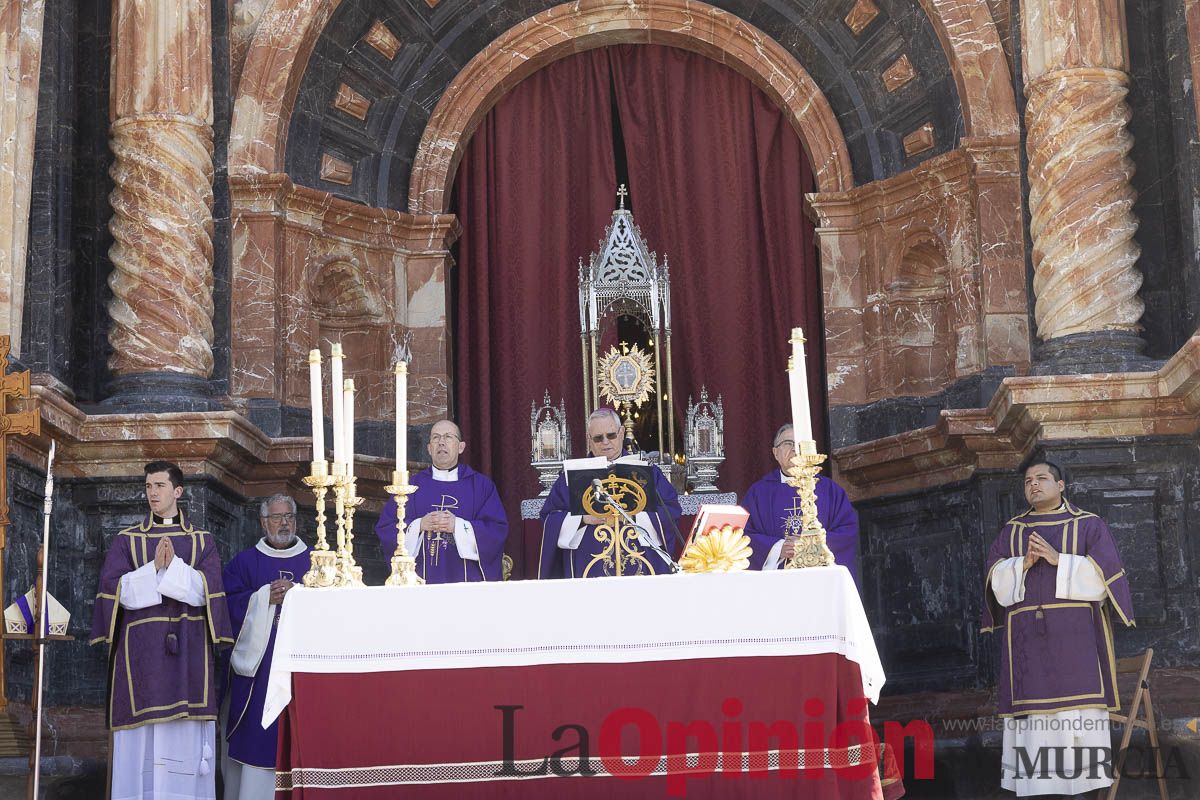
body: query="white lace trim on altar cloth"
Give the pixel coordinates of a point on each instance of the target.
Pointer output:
(527, 769)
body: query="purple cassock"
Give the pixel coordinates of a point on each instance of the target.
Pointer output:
(162, 656)
(774, 508)
(556, 562)
(1057, 655)
(472, 498)
(245, 575)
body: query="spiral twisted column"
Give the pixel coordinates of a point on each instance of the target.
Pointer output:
(162, 254)
(1080, 203)
(1086, 281)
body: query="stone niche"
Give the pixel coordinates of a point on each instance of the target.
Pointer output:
(311, 269)
(923, 279)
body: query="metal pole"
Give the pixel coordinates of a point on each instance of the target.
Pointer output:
(670, 398)
(43, 616)
(658, 394)
(587, 382)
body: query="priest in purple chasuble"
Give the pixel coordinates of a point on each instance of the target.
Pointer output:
(774, 508)
(455, 525)
(256, 581)
(161, 608)
(569, 542)
(1054, 583)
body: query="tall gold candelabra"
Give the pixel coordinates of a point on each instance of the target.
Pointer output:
(404, 566)
(323, 571)
(333, 567)
(810, 549)
(346, 500)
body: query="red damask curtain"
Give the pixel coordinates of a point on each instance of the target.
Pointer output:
(533, 193)
(717, 178)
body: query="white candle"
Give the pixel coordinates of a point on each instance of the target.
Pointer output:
(348, 414)
(401, 416)
(318, 412)
(335, 400)
(798, 382)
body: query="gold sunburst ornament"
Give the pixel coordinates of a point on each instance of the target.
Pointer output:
(724, 549)
(627, 375)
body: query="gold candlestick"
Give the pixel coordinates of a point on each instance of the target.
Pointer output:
(810, 549)
(348, 572)
(323, 571)
(404, 566)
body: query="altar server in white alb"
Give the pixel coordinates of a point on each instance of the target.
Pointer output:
(256, 581)
(1054, 579)
(161, 609)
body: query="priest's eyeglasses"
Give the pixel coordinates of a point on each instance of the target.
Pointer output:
(443, 437)
(600, 437)
(277, 518)
(785, 443)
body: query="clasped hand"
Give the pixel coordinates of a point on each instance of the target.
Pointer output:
(163, 553)
(438, 522)
(1040, 548)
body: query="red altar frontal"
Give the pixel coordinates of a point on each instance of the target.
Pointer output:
(742, 685)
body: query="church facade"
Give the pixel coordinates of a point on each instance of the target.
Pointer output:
(1003, 200)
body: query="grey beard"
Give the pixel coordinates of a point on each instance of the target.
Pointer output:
(279, 542)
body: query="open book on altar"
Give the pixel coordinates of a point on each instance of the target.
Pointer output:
(582, 471)
(716, 516)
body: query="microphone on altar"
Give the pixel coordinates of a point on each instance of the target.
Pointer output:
(602, 493)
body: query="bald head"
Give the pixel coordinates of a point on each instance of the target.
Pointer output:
(445, 444)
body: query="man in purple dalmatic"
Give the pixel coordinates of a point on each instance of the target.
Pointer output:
(256, 581)
(455, 524)
(161, 609)
(1054, 577)
(774, 508)
(569, 544)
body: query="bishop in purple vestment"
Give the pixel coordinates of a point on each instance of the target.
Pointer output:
(161, 609)
(774, 508)
(569, 543)
(256, 581)
(1054, 579)
(455, 525)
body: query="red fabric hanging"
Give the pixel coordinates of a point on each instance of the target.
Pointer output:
(717, 181)
(534, 191)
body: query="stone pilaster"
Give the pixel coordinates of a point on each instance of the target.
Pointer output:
(1080, 196)
(20, 62)
(162, 223)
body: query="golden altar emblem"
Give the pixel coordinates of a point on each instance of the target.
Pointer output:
(620, 555)
(626, 380)
(723, 549)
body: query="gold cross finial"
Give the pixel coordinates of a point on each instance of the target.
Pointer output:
(622, 193)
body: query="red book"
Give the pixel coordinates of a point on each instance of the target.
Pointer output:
(716, 516)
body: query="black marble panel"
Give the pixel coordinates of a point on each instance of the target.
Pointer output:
(438, 42)
(46, 334)
(869, 421)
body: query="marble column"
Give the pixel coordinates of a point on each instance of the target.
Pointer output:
(1081, 199)
(20, 65)
(162, 224)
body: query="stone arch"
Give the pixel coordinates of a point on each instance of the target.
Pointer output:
(568, 29)
(288, 30)
(340, 292)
